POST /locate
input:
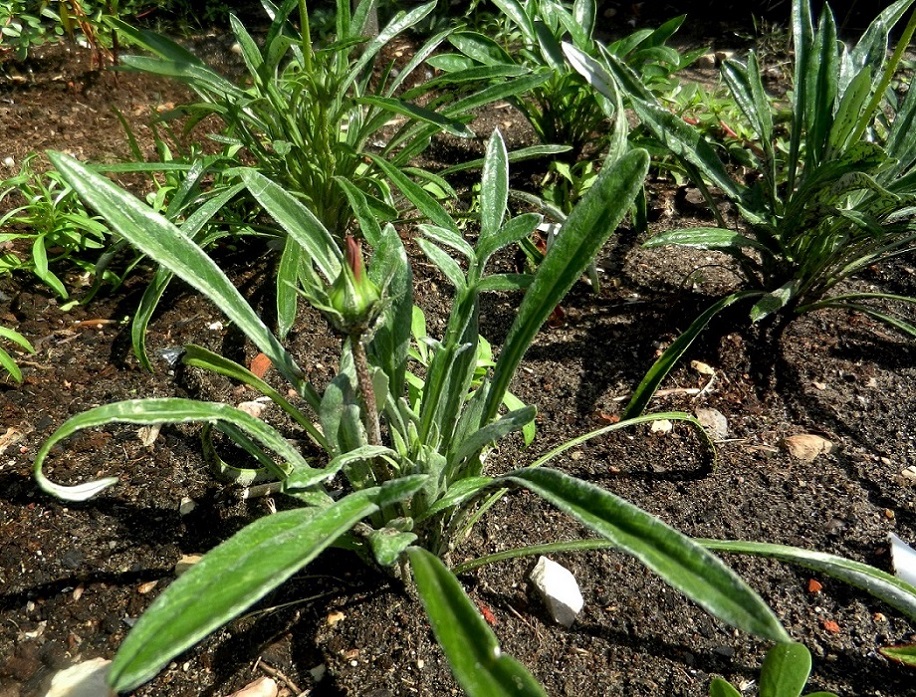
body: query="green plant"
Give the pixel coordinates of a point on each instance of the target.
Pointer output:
(784, 673)
(25, 24)
(412, 449)
(21, 26)
(47, 225)
(311, 117)
(321, 121)
(7, 362)
(563, 109)
(715, 113)
(425, 486)
(841, 199)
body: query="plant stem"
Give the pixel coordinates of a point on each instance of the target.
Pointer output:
(306, 36)
(364, 380)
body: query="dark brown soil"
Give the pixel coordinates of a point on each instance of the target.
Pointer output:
(73, 576)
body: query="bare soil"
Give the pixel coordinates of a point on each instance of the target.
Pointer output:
(73, 576)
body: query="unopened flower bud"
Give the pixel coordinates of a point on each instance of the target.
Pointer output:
(354, 297)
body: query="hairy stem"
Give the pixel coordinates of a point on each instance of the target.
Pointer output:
(364, 380)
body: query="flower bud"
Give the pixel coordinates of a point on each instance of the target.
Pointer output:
(353, 296)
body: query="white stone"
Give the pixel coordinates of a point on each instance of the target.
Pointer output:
(661, 426)
(86, 679)
(904, 558)
(558, 588)
(714, 422)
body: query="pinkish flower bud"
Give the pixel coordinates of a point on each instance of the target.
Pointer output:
(354, 297)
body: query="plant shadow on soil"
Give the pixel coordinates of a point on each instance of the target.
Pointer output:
(70, 575)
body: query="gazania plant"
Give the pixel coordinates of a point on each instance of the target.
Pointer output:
(403, 472)
(839, 200)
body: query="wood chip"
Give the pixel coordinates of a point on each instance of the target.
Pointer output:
(186, 562)
(145, 588)
(253, 408)
(259, 365)
(148, 434)
(807, 446)
(831, 626)
(713, 421)
(12, 435)
(262, 687)
(702, 368)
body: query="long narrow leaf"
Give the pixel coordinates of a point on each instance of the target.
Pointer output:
(164, 243)
(228, 580)
(412, 111)
(494, 187)
(673, 353)
(298, 221)
(200, 357)
(469, 644)
(594, 219)
(165, 410)
(678, 560)
(895, 592)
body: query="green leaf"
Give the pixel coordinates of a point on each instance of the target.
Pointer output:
(821, 76)
(721, 688)
(518, 14)
(457, 494)
(785, 670)
(165, 244)
(449, 238)
(40, 267)
(850, 111)
(492, 433)
(249, 48)
(388, 543)
(469, 644)
(200, 357)
(504, 282)
(895, 592)
(298, 221)
(494, 187)
(416, 194)
(418, 113)
(228, 580)
(673, 353)
(905, 654)
(532, 152)
(399, 23)
(390, 270)
(287, 285)
(688, 143)
(168, 410)
(747, 89)
(705, 238)
(775, 300)
(480, 48)
(155, 43)
(196, 75)
(16, 338)
(445, 263)
(679, 561)
(10, 365)
(594, 219)
(551, 53)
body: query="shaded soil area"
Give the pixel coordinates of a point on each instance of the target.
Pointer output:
(73, 577)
